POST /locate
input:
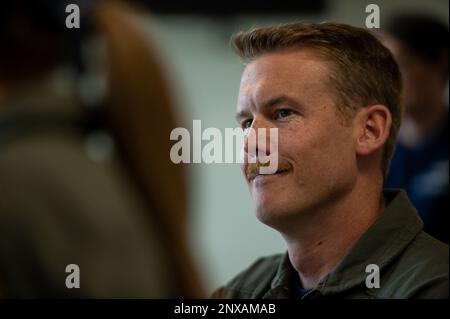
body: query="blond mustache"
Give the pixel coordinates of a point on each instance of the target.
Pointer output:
(252, 169)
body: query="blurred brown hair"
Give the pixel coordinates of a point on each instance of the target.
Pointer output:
(140, 112)
(363, 71)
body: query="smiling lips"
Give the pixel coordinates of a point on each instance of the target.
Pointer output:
(252, 169)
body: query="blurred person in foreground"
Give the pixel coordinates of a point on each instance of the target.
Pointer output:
(333, 93)
(89, 185)
(420, 163)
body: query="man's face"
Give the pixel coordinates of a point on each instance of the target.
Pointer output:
(291, 91)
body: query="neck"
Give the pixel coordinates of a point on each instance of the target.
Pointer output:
(320, 240)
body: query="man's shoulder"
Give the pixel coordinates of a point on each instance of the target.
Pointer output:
(254, 281)
(428, 252)
(430, 245)
(422, 269)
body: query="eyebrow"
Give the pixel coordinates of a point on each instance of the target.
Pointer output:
(281, 99)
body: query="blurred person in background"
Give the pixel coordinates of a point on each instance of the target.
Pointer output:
(420, 164)
(83, 182)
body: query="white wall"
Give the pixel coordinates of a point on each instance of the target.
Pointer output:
(226, 236)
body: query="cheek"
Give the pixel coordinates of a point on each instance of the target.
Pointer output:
(319, 155)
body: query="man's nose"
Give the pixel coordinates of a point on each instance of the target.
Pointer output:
(257, 139)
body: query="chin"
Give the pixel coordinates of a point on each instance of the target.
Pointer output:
(273, 212)
(279, 212)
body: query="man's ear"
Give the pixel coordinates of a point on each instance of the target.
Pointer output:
(372, 127)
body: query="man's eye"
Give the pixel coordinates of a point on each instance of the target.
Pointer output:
(247, 123)
(280, 114)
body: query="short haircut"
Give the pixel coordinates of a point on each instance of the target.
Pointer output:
(362, 71)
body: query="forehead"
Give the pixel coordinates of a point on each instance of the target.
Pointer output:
(295, 72)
